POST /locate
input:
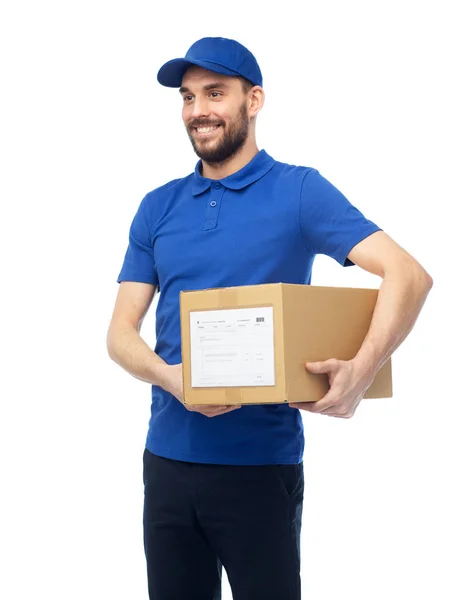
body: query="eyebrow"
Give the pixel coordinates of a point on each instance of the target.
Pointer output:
(206, 88)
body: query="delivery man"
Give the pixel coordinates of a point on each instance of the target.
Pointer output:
(224, 484)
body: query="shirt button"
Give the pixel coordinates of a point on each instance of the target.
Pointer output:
(217, 186)
(213, 203)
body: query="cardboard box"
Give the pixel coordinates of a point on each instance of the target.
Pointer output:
(249, 344)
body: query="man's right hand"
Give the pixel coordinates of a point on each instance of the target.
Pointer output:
(173, 383)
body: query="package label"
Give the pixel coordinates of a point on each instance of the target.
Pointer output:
(232, 347)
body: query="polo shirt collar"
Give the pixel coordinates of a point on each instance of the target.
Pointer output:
(254, 170)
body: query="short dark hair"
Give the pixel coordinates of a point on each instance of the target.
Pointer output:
(246, 84)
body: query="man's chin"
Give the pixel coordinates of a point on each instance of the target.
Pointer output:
(206, 151)
(210, 159)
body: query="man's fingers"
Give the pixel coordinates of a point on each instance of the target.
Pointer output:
(322, 366)
(316, 367)
(313, 367)
(310, 406)
(327, 402)
(213, 410)
(222, 411)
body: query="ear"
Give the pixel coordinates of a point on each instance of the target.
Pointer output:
(255, 101)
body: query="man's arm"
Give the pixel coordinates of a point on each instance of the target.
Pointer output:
(128, 349)
(125, 345)
(403, 291)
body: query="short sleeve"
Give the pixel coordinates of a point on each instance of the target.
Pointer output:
(139, 264)
(329, 223)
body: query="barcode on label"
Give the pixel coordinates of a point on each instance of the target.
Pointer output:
(260, 319)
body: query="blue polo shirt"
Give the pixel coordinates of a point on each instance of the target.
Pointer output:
(262, 224)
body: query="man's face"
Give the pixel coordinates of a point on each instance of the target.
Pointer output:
(215, 114)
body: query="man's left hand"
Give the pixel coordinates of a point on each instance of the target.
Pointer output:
(347, 387)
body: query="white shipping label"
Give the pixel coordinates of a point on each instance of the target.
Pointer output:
(232, 347)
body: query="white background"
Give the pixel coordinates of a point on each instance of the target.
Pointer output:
(357, 90)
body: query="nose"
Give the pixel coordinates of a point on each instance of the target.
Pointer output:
(200, 108)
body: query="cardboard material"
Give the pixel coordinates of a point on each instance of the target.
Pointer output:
(249, 344)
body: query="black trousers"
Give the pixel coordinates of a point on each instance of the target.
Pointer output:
(199, 518)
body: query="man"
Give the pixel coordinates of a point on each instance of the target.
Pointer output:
(224, 485)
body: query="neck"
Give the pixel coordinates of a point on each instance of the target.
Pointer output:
(231, 165)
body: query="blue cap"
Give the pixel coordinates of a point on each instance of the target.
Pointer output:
(217, 54)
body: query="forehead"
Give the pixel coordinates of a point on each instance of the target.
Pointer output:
(198, 77)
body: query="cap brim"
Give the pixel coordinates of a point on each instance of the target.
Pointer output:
(171, 73)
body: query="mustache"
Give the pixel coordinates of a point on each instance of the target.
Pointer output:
(203, 123)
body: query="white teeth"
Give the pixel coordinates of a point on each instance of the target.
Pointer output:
(205, 129)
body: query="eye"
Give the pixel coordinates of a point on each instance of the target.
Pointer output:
(215, 94)
(187, 98)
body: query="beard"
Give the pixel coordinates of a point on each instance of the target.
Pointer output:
(232, 139)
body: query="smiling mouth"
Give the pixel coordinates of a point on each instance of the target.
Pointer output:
(206, 131)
